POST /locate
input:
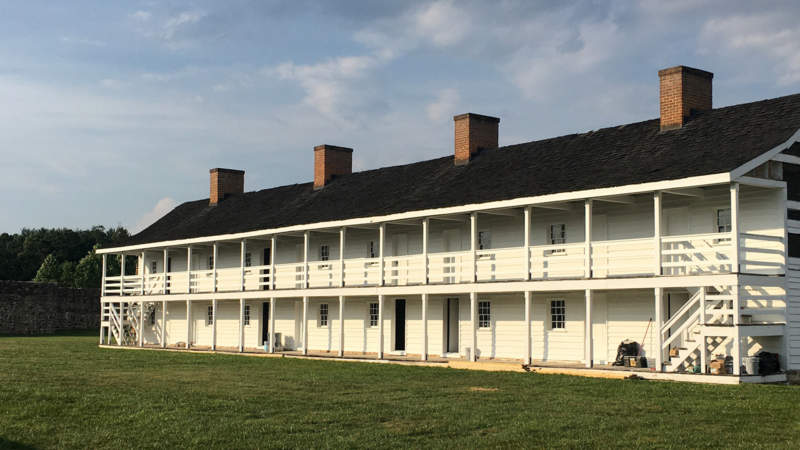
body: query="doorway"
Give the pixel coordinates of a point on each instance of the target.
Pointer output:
(451, 325)
(265, 323)
(400, 324)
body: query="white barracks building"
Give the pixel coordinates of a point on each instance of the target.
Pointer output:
(681, 233)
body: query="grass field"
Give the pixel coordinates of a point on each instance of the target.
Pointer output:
(65, 392)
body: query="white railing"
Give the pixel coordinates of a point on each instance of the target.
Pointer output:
(451, 267)
(362, 272)
(202, 281)
(762, 254)
(696, 254)
(404, 270)
(323, 274)
(257, 278)
(558, 261)
(113, 286)
(290, 276)
(500, 264)
(625, 257)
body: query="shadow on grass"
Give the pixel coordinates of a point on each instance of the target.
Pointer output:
(5, 443)
(80, 333)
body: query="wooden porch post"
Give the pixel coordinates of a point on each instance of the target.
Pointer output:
(272, 325)
(341, 256)
(189, 269)
(188, 324)
(425, 231)
(214, 322)
(164, 271)
(526, 243)
(103, 276)
(528, 352)
(121, 274)
(214, 269)
(272, 245)
(241, 261)
(657, 232)
(587, 252)
(473, 313)
(305, 325)
(424, 353)
(305, 259)
(380, 326)
(659, 323)
(241, 325)
(381, 252)
(589, 341)
(341, 326)
(163, 324)
(141, 323)
(141, 272)
(735, 236)
(102, 334)
(473, 233)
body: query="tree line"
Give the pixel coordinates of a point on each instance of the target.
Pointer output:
(59, 255)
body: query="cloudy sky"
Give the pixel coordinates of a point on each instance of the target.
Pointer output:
(112, 112)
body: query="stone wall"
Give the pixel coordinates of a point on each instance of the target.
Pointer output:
(28, 308)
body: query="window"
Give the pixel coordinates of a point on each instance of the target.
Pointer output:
(248, 259)
(246, 315)
(723, 220)
(372, 252)
(484, 240)
(794, 245)
(153, 267)
(484, 314)
(558, 314)
(323, 315)
(210, 262)
(373, 314)
(324, 252)
(210, 317)
(557, 235)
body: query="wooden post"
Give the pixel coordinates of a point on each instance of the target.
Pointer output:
(736, 351)
(341, 326)
(188, 324)
(214, 322)
(241, 261)
(121, 275)
(164, 271)
(657, 232)
(189, 269)
(380, 326)
(588, 341)
(141, 273)
(272, 255)
(214, 268)
(241, 325)
(735, 231)
(528, 349)
(659, 323)
(341, 256)
(425, 232)
(102, 334)
(141, 324)
(424, 354)
(305, 325)
(473, 314)
(305, 259)
(473, 233)
(381, 251)
(526, 243)
(587, 252)
(103, 277)
(272, 325)
(163, 324)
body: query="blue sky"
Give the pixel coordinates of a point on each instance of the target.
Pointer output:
(113, 112)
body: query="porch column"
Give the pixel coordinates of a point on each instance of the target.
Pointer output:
(141, 324)
(424, 353)
(188, 324)
(163, 324)
(526, 243)
(305, 325)
(241, 261)
(659, 323)
(341, 326)
(214, 268)
(588, 341)
(103, 276)
(473, 314)
(102, 335)
(473, 240)
(657, 232)
(381, 252)
(141, 273)
(528, 328)
(735, 235)
(214, 322)
(425, 231)
(272, 243)
(587, 252)
(120, 320)
(736, 351)
(164, 271)
(122, 274)
(341, 256)
(305, 258)
(189, 269)
(271, 338)
(380, 326)
(241, 325)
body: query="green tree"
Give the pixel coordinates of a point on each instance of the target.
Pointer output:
(49, 271)
(67, 274)
(88, 271)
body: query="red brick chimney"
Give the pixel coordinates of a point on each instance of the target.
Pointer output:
(474, 132)
(224, 182)
(331, 161)
(683, 90)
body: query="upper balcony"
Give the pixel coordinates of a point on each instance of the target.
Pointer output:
(688, 233)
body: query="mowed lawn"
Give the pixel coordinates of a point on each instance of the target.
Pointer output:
(63, 391)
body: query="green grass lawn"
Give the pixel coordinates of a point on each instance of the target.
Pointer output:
(65, 392)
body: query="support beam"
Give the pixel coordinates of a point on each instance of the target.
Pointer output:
(271, 338)
(620, 199)
(473, 315)
(687, 192)
(305, 258)
(528, 339)
(342, 242)
(380, 326)
(103, 276)
(425, 238)
(736, 352)
(242, 252)
(588, 337)
(241, 325)
(587, 252)
(657, 232)
(142, 278)
(214, 324)
(189, 269)
(659, 323)
(526, 243)
(273, 242)
(121, 275)
(189, 321)
(735, 230)
(509, 212)
(141, 324)
(305, 325)
(381, 253)
(341, 326)
(164, 271)
(424, 354)
(473, 244)
(163, 324)
(102, 310)
(556, 206)
(214, 268)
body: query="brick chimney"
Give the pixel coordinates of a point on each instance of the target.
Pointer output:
(474, 132)
(683, 91)
(224, 182)
(331, 161)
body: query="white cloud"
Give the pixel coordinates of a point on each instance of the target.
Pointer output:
(444, 106)
(174, 24)
(82, 41)
(161, 208)
(143, 16)
(174, 31)
(443, 23)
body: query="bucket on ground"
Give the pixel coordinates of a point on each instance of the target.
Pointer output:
(751, 364)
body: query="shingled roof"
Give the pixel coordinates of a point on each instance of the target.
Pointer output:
(715, 141)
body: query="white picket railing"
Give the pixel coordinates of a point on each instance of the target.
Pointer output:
(362, 272)
(558, 261)
(500, 264)
(696, 254)
(450, 267)
(624, 257)
(762, 254)
(404, 270)
(289, 276)
(323, 274)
